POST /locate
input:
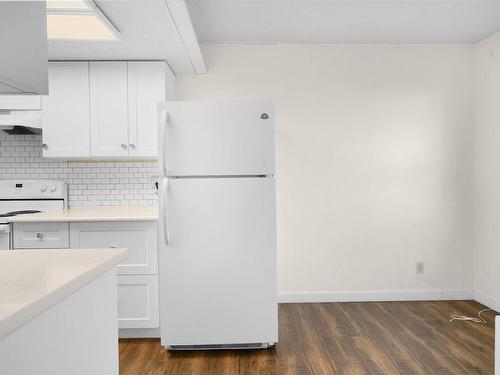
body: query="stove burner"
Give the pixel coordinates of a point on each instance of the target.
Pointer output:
(22, 212)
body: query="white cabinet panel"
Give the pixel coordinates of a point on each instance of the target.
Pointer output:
(109, 108)
(146, 88)
(65, 111)
(138, 305)
(140, 238)
(41, 235)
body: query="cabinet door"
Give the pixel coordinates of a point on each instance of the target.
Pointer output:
(108, 109)
(138, 305)
(146, 88)
(65, 111)
(140, 238)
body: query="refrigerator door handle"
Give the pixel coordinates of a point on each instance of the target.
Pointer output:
(164, 123)
(164, 218)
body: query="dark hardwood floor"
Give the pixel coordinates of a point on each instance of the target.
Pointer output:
(342, 338)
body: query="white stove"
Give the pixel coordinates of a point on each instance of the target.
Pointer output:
(21, 197)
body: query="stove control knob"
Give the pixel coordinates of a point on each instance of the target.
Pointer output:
(43, 189)
(53, 188)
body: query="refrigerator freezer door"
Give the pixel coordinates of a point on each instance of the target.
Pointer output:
(218, 271)
(217, 138)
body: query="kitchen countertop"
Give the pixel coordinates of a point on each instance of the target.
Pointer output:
(32, 281)
(144, 213)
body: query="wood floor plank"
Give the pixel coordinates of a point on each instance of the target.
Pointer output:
(360, 338)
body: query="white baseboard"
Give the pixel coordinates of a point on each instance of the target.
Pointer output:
(132, 333)
(393, 295)
(488, 301)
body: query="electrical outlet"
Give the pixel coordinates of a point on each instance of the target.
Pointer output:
(420, 268)
(155, 181)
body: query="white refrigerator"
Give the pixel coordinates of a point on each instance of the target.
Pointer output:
(217, 225)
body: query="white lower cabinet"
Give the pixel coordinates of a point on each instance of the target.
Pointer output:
(138, 294)
(138, 305)
(140, 238)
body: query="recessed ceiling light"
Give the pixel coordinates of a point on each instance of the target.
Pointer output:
(78, 20)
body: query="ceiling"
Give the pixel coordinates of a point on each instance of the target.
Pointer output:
(147, 31)
(347, 21)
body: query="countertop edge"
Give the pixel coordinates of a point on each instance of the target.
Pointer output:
(30, 312)
(44, 219)
(99, 213)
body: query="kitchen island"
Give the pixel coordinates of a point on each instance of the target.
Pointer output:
(58, 311)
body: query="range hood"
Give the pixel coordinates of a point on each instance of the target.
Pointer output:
(20, 114)
(21, 122)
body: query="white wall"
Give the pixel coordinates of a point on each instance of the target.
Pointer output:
(374, 162)
(487, 198)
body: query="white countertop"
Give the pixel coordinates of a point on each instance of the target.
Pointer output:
(32, 281)
(92, 214)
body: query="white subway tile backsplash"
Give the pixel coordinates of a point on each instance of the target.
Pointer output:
(95, 183)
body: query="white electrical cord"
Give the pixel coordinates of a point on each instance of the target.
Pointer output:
(473, 319)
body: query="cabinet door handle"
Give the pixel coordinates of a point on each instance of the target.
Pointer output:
(132, 145)
(39, 236)
(124, 146)
(45, 146)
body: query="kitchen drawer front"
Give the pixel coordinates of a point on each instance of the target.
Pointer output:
(40, 235)
(138, 301)
(140, 238)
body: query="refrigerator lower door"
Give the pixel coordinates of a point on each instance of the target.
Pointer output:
(216, 138)
(218, 270)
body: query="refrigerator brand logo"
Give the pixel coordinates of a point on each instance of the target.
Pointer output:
(264, 116)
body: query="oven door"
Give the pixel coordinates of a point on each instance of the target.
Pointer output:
(4, 236)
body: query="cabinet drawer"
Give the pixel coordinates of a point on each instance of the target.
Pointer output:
(41, 235)
(140, 238)
(138, 305)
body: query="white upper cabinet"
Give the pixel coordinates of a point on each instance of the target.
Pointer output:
(146, 88)
(65, 111)
(104, 109)
(109, 109)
